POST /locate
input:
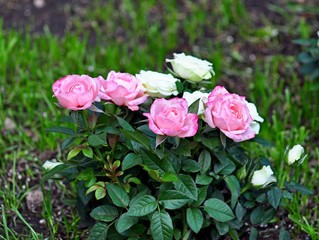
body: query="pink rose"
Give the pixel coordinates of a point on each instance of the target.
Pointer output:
(76, 92)
(229, 113)
(171, 118)
(123, 89)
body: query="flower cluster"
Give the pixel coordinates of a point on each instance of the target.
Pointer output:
(150, 148)
(231, 113)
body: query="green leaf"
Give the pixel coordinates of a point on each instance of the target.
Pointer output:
(287, 195)
(262, 198)
(284, 234)
(152, 161)
(305, 57)
(222, 228)
(211, 143)
(67, 142)
(218, 210)
(57, 169)
(169, 177)
(193, 108)
(226, 167)
(186, 185)
(139, 137)
(194, 219)
(177, 234)
(160, 139)
(253, 234)
(124, 124)
(257, 215)
(240, 211)
(293, 187)
(233, 234)
(203, 179)
(118, 195)
(130, 160)
(205, 161)
(73, 153)
(99, 231)
(96, 140)
(100, 193)
(183, 149)
(274, 196)
(314, 74)
(105, 213)
(125, 222)
(189, 165)
(234, 187)
(64, 130)
(268, 216)
(303, 42)
(142, 206)
(135, 232)
(172, 199)
(161, 226)
(202, 193)
(88, 152)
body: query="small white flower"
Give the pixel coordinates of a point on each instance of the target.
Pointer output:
(256, 118)
(263, 177)
(193, 97)
(191, 68)
(157, 84)
(48, 165)
(294, 154)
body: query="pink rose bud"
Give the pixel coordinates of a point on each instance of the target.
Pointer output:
(171, 118)
(76, 92)
(229, 113)
(123, 89)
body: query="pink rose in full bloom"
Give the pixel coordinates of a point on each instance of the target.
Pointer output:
(123, 89)
(229, 113)
(171, 118)
(76, 92)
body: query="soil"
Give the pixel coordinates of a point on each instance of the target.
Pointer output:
(34, 15)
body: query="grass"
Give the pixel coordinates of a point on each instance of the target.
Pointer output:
(140, 35)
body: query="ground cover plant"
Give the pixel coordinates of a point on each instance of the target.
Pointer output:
(258, 61)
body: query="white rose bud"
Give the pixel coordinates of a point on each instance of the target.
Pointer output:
(157, 84)
(295, 154)
(48, 165)
(191, 68)
(263, 177)
(193, 97)
(256, 118)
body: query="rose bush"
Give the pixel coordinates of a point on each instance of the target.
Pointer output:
(154, 157)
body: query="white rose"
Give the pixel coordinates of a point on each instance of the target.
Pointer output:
(256, 118)
(191, 68)
(193, 97)
(48, 165)
(295, 153)
(157, 84)
(263, 177)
